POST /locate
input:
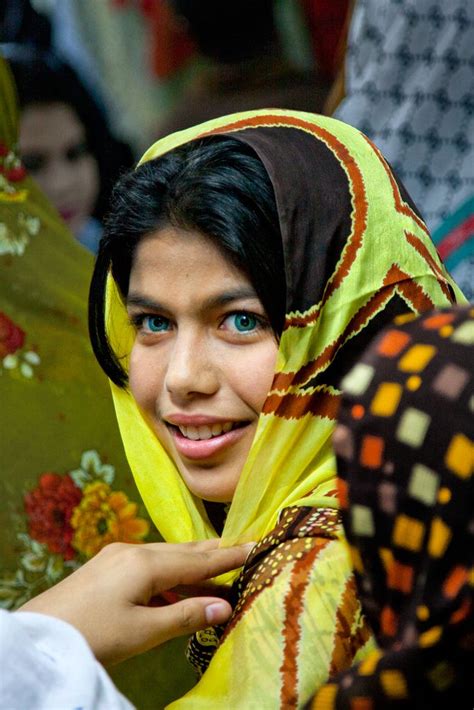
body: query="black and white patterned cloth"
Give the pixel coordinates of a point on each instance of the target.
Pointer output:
(410, 88)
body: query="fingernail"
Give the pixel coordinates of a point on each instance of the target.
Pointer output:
(216, 613)
(249, 546)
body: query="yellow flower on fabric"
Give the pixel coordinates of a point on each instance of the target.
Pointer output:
(104, 516)
(14, 196)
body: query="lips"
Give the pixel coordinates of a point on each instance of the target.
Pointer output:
(202, 441)
(67, 214)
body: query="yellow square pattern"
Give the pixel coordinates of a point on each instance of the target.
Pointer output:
(386, 399)
(356, 559)
(408, 532)
(412, 427)
(440, 536)
(405, 318)
(393, 684)
(464, 334)
(358, 379)
(362, 520)
(460, 456)
(368, 665)
(326, 698)
(416, 358)
(423, 484)
(430, 637)
(386, 556)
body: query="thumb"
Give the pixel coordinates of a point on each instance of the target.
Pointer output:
(184, 618)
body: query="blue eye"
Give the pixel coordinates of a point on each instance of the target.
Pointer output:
(243, 322)
(155, 324)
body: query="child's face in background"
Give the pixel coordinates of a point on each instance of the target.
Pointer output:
(54, 150)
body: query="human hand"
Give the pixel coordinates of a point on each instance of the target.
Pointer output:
(108, 599)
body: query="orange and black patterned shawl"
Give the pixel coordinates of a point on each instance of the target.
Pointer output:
(406, 461)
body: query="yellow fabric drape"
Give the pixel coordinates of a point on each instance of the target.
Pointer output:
(291, 461)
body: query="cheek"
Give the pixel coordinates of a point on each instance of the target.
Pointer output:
(45, 182)
(253, 378)
(145, 380)
(88, 173)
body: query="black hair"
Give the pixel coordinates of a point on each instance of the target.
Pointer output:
(216, 186)
(42, 78)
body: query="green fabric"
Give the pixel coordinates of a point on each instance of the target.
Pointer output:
(61, 450)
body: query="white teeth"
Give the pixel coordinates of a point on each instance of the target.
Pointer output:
(204, 432)
(199, 433)
(192, 433)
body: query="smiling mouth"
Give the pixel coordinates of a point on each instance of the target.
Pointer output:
(205, 432)
(204, 441)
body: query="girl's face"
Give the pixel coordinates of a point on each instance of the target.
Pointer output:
(54, 149)
(203, 358)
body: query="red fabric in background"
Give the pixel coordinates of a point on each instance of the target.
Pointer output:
(327, 25)
(170, 46)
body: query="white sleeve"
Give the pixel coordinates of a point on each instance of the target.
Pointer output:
(46, 664)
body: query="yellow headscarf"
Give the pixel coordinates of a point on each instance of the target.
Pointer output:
(357, 253)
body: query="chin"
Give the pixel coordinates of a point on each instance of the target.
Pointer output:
(224, 499)
(222, 493)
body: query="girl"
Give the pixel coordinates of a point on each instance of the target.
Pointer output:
(245, 264)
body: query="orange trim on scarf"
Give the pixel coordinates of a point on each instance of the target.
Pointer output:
(295, 406)
(400, 205)
(417, 244)
(346, 644)
(294, 606)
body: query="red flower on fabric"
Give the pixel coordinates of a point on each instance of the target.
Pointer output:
(49, 509)
(12, 336)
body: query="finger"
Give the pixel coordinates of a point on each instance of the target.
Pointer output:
(181, 568)
(195, 546)
(183, 618)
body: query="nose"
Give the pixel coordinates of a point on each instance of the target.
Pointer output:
(192, 368)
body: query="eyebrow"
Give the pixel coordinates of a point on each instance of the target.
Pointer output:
(220, 299)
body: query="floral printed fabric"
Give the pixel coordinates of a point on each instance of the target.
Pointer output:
(61, 451)
(15, 232)
(68, 519)
(65, 486)
(12, 351)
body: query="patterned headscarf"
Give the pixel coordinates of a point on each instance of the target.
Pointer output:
(356, 254)
(405, 446)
